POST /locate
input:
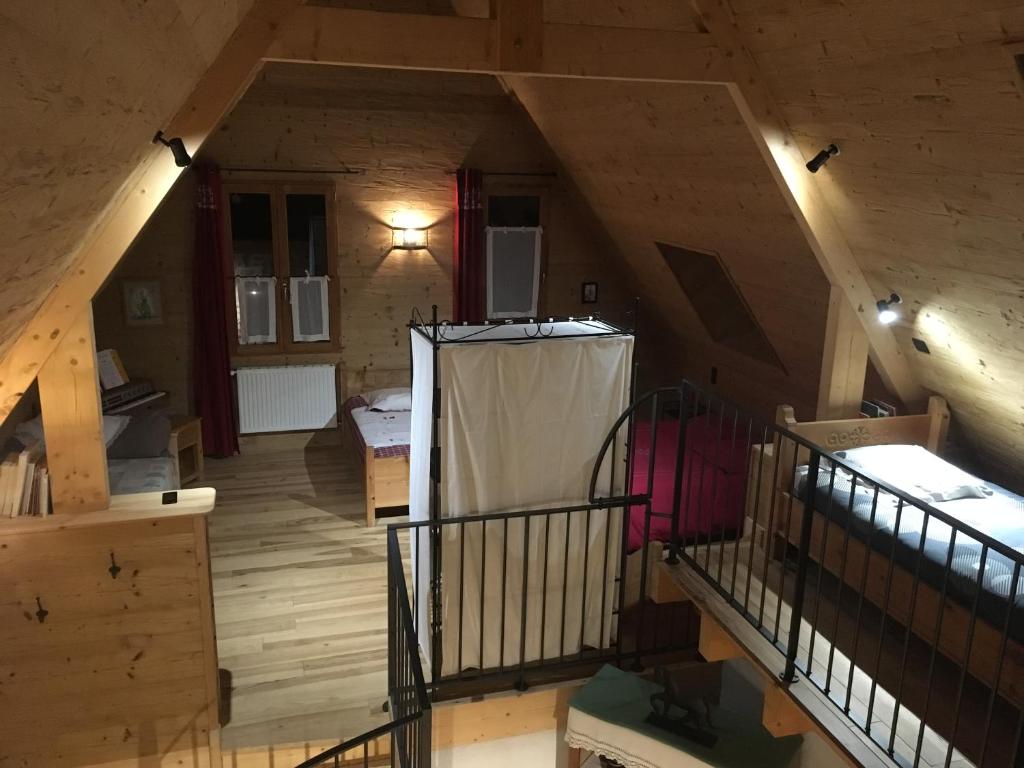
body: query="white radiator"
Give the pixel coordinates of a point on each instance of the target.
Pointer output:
(288, 398)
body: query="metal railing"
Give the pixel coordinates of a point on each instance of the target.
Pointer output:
(907, 618)
(408, 735)
(515, 598)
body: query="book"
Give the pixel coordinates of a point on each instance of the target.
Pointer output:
(44, 492)
(111, 369)
(8, 474)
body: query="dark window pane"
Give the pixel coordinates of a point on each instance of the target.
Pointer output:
(513, 211)
(252, 239)
(307, 235)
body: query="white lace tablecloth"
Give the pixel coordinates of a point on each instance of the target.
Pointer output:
(624, 746)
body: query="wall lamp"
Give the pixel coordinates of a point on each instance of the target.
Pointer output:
(886, 312)
(404, 239)
(182, 158)
(822, 157)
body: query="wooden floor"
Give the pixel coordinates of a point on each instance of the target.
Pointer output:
(299, 593)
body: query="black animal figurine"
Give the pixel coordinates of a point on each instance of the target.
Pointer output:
(682, 709)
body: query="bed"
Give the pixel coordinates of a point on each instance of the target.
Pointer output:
(380, 441)
(885, 446)
(714, 480)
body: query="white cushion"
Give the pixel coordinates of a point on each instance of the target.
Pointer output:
(30, 432)
(917, 471)
(393, 399)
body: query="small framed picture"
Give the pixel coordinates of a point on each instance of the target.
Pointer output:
(142, 305)
(588, 293)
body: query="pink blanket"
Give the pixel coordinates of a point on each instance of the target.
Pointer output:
(714, 479)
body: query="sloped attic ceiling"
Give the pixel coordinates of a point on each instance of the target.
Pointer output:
(667, 163)
(927, 104)
(83, 94)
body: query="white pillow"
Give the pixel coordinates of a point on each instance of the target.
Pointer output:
(393, 399)
(917, 471)
(30, 432)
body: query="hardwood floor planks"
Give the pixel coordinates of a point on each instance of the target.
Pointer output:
(299, 595)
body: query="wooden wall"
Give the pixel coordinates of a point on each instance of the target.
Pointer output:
(404, 133)
(83, 95)
(122, 671)
(674, 163)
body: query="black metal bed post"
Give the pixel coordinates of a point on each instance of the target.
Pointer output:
(797, 610)
(435, 512)
(677, 481)
(392, 627)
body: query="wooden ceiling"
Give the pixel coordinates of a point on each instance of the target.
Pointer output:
(83, 95)
(675, 164)
(923, 97)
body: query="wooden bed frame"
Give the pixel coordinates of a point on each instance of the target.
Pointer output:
(928, 430)
(385, 480)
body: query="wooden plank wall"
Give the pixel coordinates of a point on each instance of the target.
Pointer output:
(405, 132)
(121, 671)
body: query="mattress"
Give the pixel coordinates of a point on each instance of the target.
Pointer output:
(142, 475)
(1000, 516)
(387, 432)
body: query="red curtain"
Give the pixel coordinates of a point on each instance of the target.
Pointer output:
(469, 264)
(212, 386)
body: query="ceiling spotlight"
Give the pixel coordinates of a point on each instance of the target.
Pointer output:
(822, 157)
(182, 158)
(886, 309)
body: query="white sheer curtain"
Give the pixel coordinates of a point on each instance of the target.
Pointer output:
(513, 271)
(256, 299)
(310, 313)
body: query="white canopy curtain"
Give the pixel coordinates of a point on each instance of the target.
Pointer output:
(521, 424)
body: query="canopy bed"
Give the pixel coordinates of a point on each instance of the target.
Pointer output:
(508, 417)
(375, 424)
(943, 548)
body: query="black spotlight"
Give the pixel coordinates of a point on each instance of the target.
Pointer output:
(822, 157)
(182, 158)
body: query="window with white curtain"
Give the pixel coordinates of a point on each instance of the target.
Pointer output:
(513, 271)
(282, 253)
(255, 298)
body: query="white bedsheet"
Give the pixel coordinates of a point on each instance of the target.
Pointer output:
(383, 428)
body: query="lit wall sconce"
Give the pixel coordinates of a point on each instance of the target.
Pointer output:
(408, 239)
(887, 314)
(822, 157)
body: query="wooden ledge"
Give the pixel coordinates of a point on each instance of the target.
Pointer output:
(127, 508)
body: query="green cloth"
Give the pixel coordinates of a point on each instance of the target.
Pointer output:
(623, 699)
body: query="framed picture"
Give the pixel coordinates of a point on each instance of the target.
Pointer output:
(588, 293)
(142, 305)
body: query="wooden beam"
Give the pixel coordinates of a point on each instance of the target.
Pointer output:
(805, 200)
(69, 394)
(520, 35)
(780, 715)
(347, 37)
(844, 361)
(221, 86)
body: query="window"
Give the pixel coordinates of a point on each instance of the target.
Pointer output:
(718, 302)
(513, 255)
(280, 251)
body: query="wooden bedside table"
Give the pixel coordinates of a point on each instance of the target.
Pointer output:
(186, 447)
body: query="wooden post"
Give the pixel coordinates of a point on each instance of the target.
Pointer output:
(844, 361)
(69, 393)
